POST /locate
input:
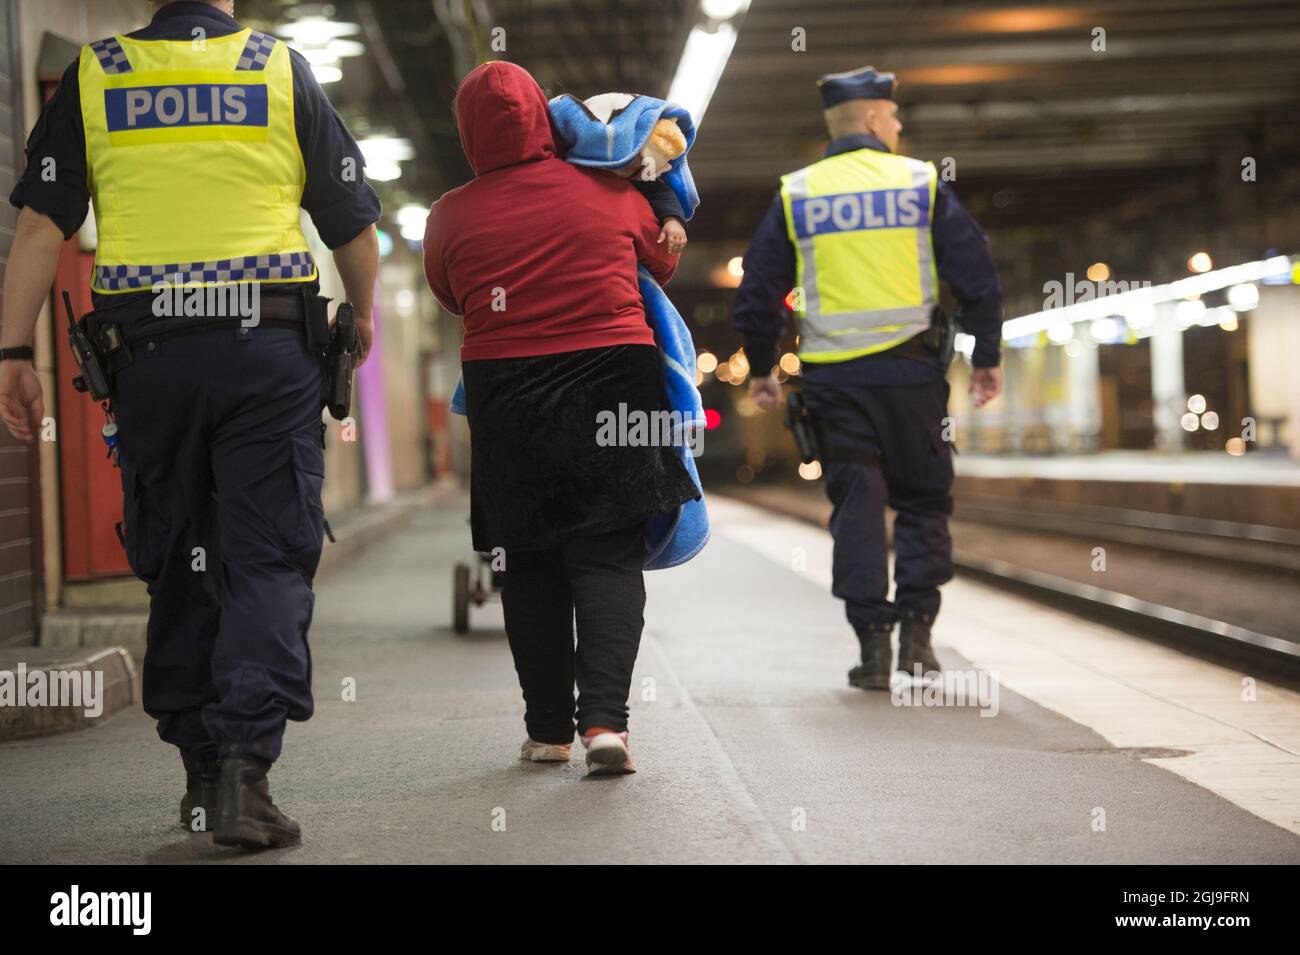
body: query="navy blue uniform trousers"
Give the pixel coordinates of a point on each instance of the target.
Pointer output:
(884, 445)
(222, 467)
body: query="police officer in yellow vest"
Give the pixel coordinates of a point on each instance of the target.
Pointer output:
(198, 141)
(863, 237)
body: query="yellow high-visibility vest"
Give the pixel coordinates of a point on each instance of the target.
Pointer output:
(193, 162)
(860, 226)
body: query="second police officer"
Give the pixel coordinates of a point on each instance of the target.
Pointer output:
(198, 141)
(863, 237)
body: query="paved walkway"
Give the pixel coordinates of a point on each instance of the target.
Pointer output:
(751, 746)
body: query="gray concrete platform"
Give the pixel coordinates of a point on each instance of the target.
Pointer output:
(751, 748)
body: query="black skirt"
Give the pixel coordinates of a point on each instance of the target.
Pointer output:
(539, 473)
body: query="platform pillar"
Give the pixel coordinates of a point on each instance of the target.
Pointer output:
(1273, 344)
(1083, 396)
(1168, 391)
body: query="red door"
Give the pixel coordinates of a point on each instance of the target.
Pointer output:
(91, 486)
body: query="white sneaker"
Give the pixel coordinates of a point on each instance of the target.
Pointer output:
(607, 753)
(535, 752)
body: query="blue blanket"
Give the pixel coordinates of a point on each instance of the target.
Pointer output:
(676, 537)
(615, 144)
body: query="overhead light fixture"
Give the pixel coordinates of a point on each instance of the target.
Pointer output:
(382, 170)
(708, 47)
(345, 48)
(411, 220)
(320, 41)
(383, 155)
(1200, 262)
(326, 73)
(723, 9)
(317, 31)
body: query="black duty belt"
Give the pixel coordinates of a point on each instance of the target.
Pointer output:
(105, 347)
(273, 312)
(115, 342)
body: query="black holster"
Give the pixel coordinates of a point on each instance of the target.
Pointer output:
(799, 420)
(340, 362)
(99, 350)
(316, 321)
(941, 335)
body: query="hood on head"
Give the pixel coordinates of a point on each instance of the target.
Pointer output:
(502, 115)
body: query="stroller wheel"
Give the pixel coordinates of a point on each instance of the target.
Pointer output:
(460, 598)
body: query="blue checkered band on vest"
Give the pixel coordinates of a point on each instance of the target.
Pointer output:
(111, 56)
(256, 52)
(250, 268)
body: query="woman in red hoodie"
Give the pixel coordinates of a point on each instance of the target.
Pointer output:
(539, 257)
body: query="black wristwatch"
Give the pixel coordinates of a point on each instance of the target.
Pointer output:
(18, 351)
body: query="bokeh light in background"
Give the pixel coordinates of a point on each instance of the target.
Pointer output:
(322, 43)
(1243, 298)
(1189, 313)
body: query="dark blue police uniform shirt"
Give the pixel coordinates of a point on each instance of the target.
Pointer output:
(962, 259)
(339, 209)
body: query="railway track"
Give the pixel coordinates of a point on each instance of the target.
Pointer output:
(1254, 570)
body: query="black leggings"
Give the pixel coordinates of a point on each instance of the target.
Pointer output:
(598, 579)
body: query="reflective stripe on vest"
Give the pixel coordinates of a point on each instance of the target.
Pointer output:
(194, 164)
(860, 226)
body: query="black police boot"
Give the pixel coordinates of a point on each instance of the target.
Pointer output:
(247, 817)
(201, 778)
(873, 672)
(914, 647)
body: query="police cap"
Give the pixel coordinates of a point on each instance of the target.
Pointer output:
(863, 83)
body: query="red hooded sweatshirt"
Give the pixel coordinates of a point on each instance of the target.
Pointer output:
(537, 255)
